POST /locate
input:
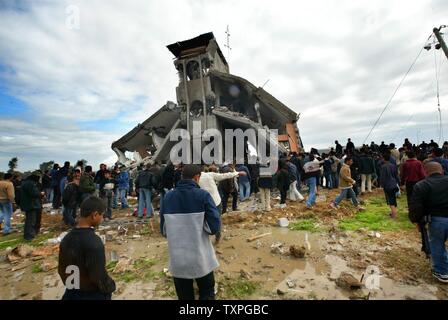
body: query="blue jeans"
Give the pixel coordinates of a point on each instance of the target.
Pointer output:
(62, 184)
(335, 179)
(5, 215)
(106, 195)
(438, 234)
(49, 192)
(328, 180)
(69, 215)
(124, 201)
(343, 195)
(144, 201)
(115, 199)
(299, 182)
(311, 182)
(244, 190)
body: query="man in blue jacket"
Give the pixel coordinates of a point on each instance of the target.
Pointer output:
(244, 182)
(187, 218)
(123, 187)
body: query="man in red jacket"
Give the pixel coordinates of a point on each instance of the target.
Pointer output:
(412, 172)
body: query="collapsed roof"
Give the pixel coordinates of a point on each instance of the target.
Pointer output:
(209, 93)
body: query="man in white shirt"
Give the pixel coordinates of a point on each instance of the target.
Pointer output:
(208, 182)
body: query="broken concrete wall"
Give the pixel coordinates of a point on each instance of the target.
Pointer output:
(208, 92)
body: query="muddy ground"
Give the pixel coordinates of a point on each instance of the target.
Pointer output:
(336, 254)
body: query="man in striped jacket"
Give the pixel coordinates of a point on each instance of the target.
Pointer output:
(187, 218)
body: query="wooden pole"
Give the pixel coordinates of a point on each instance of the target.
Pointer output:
(441, 41)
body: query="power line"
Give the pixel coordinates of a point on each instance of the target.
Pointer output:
(393, 95)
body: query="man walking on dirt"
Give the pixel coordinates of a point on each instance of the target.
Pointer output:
(346, 184)
(187, 218)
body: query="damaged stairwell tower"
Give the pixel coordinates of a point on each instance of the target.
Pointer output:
(207, 92)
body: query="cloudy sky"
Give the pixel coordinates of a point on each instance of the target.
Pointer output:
(69, 87)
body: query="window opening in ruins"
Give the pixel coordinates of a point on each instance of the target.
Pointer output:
(196, 109)
(193, 70)
(205, 66)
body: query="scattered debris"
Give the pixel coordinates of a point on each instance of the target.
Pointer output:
(56, 240)
(110, 235)
(45, 251)
(23, 266)
(167, 273)
(290, 283)
(297, 252)
(283, 222)
(49, 265)
(281, 292)
(374, 234)
(122, 230)
(348, 281)
(19, 252)
(123, 266)
(114, 256)
(245, 274)
(277, 248)
(250, 239)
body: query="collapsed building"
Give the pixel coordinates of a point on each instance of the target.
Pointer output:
(208, 93)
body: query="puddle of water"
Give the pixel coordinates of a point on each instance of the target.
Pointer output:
(309, 284)
(313, 284)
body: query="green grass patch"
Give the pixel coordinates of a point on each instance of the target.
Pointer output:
(142, 271)
(15, 239)
(376, 217)
(239, 288)
(144, 263)
(127, 276)
(111, 266)
(309, 224)
(36, 268)
(145, 231)
(153, 275)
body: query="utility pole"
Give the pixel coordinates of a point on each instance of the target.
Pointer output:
(442, 44)
(440, 39)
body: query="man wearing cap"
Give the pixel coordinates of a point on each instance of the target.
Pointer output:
(31, 203)
(187, 218)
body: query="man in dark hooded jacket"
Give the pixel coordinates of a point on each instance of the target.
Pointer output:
(31, 203)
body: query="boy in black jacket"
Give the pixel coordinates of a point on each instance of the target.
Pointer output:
(82, 261)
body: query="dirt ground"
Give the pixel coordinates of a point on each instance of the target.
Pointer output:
(322, 254)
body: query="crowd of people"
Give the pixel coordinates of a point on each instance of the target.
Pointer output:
(192, 198)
